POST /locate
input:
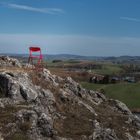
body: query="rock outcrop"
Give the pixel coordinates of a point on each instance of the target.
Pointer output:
(42, 106)
(6, 61)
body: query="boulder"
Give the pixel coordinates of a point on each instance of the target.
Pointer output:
(17, 86)
(6, 61)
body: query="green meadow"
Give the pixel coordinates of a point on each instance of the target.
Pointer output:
(129, 93)
(108, 69)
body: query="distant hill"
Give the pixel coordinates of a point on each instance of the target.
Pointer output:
(69, 56)
(59, 56)
(79, 57)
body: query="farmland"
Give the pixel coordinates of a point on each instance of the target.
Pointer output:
(81, 71)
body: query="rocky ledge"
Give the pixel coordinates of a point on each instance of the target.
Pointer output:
(42, 106)
(6, 61)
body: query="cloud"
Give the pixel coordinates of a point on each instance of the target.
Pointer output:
(130, 19)
(34, 9)
(70, 44)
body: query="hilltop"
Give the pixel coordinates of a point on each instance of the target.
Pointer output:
(42, 106)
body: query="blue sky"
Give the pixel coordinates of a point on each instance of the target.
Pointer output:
(83, 27)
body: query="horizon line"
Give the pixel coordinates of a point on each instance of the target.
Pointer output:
(71, 55)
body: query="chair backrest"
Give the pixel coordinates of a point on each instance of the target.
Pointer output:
(35, 49)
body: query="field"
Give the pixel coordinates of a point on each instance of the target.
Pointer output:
(109, 69)
(129, 93)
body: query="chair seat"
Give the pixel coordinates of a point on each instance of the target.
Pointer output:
(40, 57)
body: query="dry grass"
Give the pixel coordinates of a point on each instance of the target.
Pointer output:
(14, 69)
(76, 123)
(76, 75)
(109, 118)
(77, 119)
(8, 116)
(76, 116)
(18, 136)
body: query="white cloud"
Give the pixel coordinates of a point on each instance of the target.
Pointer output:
(70, 44)
(34, 9)
(130, 19)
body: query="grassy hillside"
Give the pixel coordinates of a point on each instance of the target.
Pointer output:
(129, 93)
(108, 69)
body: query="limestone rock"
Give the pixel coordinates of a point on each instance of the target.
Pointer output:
(17, 86)
(42, 106)
(6, 61)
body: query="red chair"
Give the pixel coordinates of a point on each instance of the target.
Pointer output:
(34, 56)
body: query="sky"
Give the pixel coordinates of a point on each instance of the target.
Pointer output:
(81, 27)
